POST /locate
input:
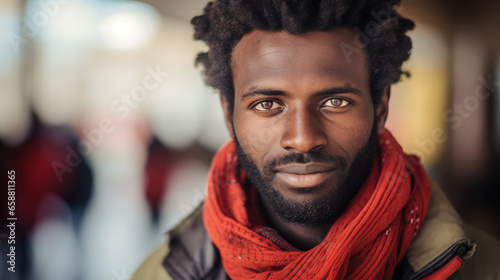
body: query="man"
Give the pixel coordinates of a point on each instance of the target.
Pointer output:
(312, 186)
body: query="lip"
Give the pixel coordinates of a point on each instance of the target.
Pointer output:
(304, 168)
(304, 175)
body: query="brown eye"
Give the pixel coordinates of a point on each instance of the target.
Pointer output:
(336, 103)
(266, 106)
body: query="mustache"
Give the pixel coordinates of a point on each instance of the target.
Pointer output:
(302, 158)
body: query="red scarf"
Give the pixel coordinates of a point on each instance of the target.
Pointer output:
(366, 242)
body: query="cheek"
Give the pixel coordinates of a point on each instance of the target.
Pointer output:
(351, 133)
(257, 136)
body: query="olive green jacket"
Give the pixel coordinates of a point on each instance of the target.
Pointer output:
(189, 253)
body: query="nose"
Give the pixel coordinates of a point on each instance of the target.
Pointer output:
(303, 132)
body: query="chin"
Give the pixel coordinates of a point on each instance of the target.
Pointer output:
(306, 206)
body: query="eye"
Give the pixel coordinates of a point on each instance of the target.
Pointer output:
(336, 103)
(266, 105)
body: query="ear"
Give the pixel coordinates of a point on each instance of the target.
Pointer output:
(383, 109)
(228, 116)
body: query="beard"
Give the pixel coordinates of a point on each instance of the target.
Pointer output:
(319, 210)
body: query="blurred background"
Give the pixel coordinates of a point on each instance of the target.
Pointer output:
(110, 129)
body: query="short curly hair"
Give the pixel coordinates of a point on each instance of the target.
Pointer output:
(382, 31)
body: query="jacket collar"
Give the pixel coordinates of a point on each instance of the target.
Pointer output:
(440, 238)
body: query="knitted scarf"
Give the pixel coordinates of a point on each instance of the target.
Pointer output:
(367, 241)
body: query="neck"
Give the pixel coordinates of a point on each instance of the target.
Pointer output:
(302, 237)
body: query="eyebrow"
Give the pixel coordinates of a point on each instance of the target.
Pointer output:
(258, 91)
(338, 90)
(270, 92)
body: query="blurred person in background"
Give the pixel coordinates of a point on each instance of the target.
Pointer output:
(312, 185)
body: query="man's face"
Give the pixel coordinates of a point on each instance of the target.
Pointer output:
(304, 121)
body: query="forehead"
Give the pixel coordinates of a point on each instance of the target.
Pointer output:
(270, 55)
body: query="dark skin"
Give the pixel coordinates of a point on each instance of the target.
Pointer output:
(299, 94)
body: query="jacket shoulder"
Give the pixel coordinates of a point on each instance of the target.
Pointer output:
(485, 264)
(151, 268)
(188, 253)
(444, 237)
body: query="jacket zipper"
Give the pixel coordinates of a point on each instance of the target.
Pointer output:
(448, 256)
(447, 270)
